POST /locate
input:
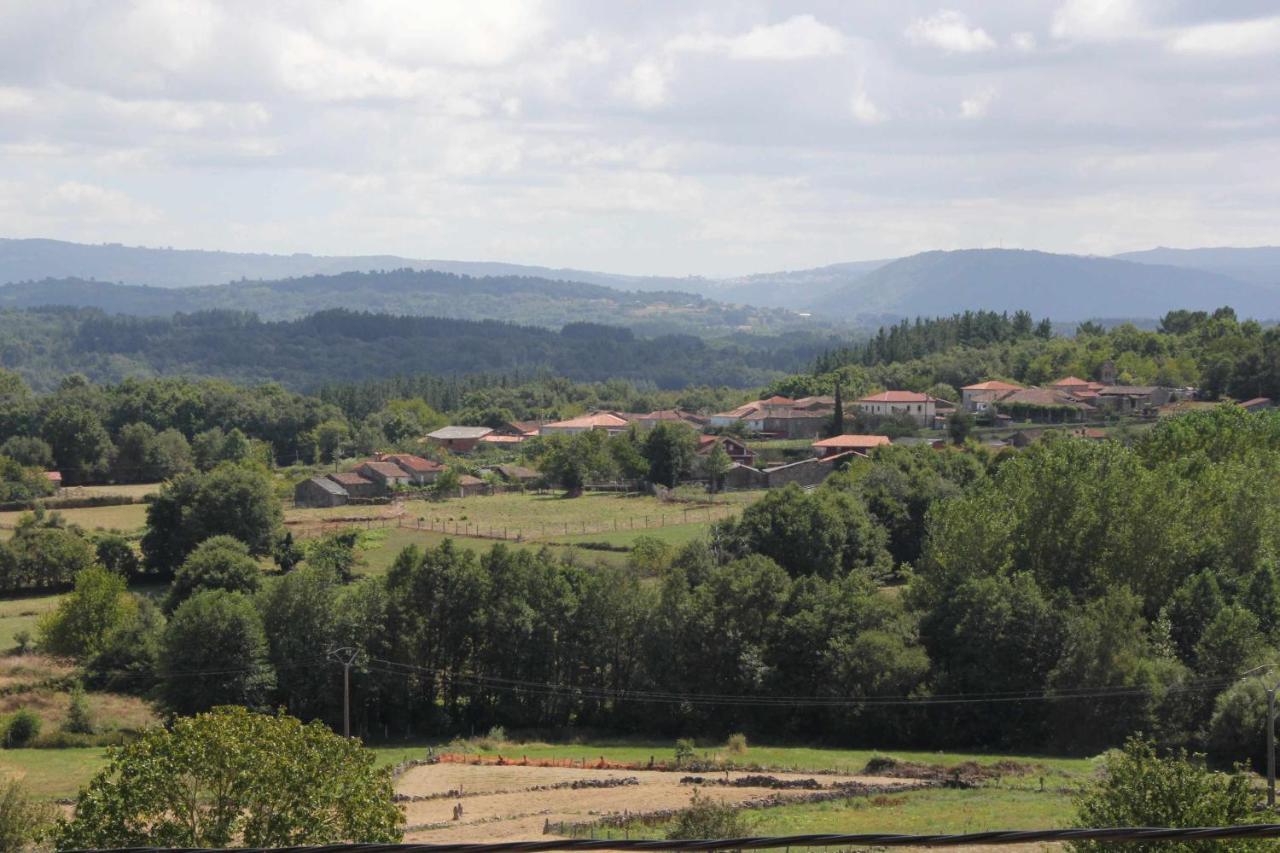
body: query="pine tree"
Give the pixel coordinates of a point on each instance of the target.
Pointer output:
(837, 418)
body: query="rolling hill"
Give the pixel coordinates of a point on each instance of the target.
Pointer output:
(522, 299)
(1260, 265)
(1063, 287)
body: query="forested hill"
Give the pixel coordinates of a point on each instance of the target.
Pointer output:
(1064, 287)
(520, 299)
(45, 345)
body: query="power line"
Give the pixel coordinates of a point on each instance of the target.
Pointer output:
(622, 695)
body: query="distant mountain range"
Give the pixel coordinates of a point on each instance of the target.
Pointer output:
(425, 293)
(1067, 288)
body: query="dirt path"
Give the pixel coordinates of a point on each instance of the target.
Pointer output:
(498, 805)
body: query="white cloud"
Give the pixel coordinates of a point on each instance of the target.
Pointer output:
(978, 104)
(1234, 38)
(866, 110)
(90, 202)
(949, 30)
(437, 32)
(1097, 20)
(646, 85)
(1023, 42)
(798, 37)
(13, 99)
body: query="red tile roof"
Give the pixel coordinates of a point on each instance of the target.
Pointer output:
(853, 442)
(388, 470)
(53, 476)
(778, 400)
(416, 464)
(1256, 401)
(1071, 382)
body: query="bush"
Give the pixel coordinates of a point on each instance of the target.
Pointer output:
(737, 744)
(684, 751)
(23, 728)
(23, 642)
(707, 818)
(23, 821)
(78, 720)
(1139, 788)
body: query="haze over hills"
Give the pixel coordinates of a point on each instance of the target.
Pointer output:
(1063, 287)
(1260, 265)
(425, 293)
(1066, 288)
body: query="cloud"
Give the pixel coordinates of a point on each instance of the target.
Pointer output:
(1023, 42)
(90, 202)
(646, 85)
(865, 110)
(950, 31)
(978, 104)
(1229, 39)
(1097, 20)
(798, 37)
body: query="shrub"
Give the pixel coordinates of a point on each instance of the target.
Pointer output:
(23, 642)
(1140, 788)
(23, 728)
(737, 744)
(23, 821)
(684, 751)
(495, 738)
(707, 818)
(78, 720)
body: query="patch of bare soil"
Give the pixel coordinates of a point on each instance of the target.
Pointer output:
(505, 803)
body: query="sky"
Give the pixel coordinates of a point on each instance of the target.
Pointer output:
(674, 138)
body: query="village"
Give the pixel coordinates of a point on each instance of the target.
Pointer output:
(769, 442)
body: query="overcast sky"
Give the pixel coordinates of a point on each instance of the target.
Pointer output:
(653, 137)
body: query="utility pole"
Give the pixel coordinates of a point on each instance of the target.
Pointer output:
(1271, 732)
(346, 657)
(1271, 747)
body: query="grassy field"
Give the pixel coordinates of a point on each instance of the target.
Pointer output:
(544, 516)
(22, 614)
(53, 773)
(914, 813)
(380, 547)
(126, 518)
(128, 490)
(675, 535)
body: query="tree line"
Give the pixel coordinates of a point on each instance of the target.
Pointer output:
(1066, 597)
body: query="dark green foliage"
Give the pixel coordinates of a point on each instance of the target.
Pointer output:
(22, 728)
(30, 451)
(1238, 728)
(1139, 788)
(20, 482)
(78, 719)
(117, 555)
(214, 652)
(335, 554)
(669, 449)
(232, 500)
(707, 818)
(827, 533)
(219, 562)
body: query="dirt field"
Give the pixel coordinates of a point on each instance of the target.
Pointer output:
(497, 803)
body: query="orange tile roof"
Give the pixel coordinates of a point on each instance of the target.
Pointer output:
(853, 442)
(413, 463)
(608, 420)
(1070, 382)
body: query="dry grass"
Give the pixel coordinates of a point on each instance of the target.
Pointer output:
(128, 490)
